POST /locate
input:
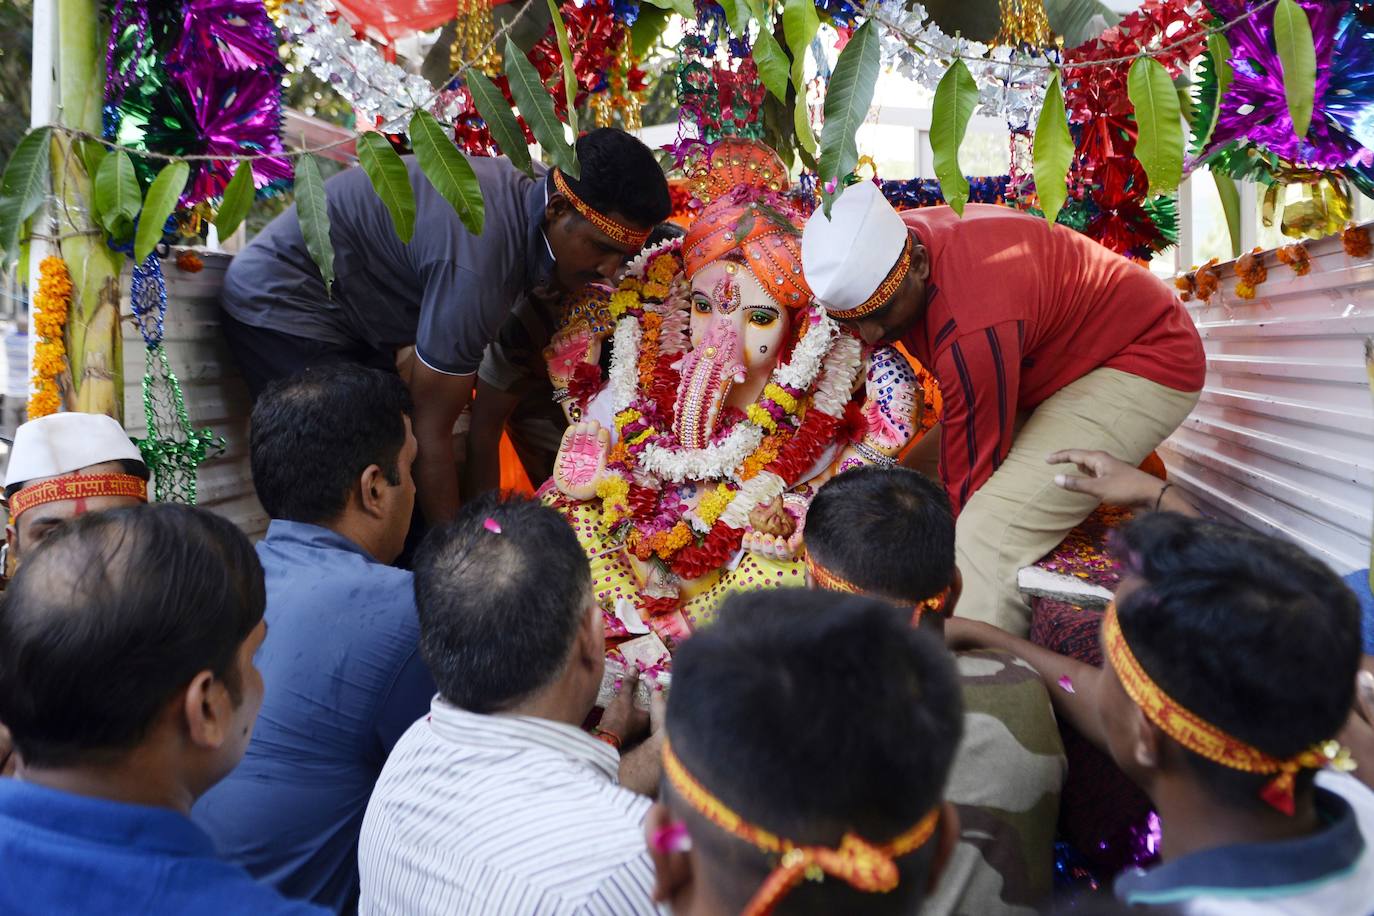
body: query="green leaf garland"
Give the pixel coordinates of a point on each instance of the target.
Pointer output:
(536, 107)
(23, 187)
(390, 179)
(955, 98)
(847, 101)
(117, 195)
(501, 120)
(799, 25)
(560, 31)
(237, 201)
(1052, 152)
(1293, 41)
(1159, 144)
(312, 209)
(159, 203)
(448, 170)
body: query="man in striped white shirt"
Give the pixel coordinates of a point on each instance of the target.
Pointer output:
(498, 802)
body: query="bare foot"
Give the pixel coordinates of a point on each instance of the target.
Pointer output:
(581, 460)
(769, 545)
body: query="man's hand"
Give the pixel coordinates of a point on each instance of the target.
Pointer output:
(621, 718)
(1358, 734)
(964, 635)
(1116, 483)
(641, 769)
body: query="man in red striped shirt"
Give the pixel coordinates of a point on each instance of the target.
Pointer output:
(1040, 339)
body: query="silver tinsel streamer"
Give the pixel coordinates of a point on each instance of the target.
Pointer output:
(1011, 81)
(356, 69)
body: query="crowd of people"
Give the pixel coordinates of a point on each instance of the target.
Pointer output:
(394, 702)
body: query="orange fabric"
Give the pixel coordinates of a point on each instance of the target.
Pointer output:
(737, 178)
(1198, 735)
(1154, 466)
(865, 866)
(513, 476)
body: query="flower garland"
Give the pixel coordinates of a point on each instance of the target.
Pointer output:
(1250, 273)
(51, 306)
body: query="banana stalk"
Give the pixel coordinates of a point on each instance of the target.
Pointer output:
(93, 332)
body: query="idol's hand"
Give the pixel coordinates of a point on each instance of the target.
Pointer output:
(569, 347)
(581, 460)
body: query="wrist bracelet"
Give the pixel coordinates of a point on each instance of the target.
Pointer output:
(561, 396)
(609, 737)
(1160, 498)
(873, 456)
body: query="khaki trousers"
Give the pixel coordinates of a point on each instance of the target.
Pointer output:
(1020, 515)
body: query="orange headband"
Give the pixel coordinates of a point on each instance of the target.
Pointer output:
(615, 230)
(1203, 738)
(885, 289)
(77, 486)
(833, 582)
(862, 865)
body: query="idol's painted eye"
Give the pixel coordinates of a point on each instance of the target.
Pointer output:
(702, 305)
(762, 317)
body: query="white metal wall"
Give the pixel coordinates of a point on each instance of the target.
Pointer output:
(215, 395)
(1283, 438)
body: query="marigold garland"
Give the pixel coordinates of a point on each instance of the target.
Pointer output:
(1356, 242)
(51, 307)
(1296, 257)
(1251, 272)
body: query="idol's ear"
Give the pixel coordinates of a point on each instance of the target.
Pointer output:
(946, 838)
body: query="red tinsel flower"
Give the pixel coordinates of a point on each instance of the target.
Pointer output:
(655, 607)
(854, 425)
(720, 544)
(586, 381)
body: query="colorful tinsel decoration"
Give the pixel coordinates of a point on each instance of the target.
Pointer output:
(51, 306)
(173, 448)
(197, 78)
(925, 192)
(607, 77)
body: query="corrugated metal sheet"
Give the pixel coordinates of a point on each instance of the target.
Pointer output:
(215, 396)
(1283, 438)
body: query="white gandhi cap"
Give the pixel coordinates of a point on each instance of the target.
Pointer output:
(64, 442)
(847, 256)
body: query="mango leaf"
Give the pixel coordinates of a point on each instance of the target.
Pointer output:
(1229, 195)
(448, 170)
(736, 16)
(1052, 152)
(23, 187)
(683, 8)
(117, 196)
(536, 107)
(159, 203)
(847, 101)
(92, 154)
(390, 179)
(649, 27)
(1209, 105)
(768, 55)
(312, 209)
(1293, 41)
(799, 25)
(1159, 146)
(237, 200)
(560, 30)
(955, 98)
(501, 120)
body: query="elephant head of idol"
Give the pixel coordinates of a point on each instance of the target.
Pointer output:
(743, 260)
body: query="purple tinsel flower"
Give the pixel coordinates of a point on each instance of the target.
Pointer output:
(233, 34)
(235, 114)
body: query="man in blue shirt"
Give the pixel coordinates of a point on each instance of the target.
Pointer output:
(127, 679)
(331, 456)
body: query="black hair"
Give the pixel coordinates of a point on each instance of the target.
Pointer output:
(812, 714)
(620, 175)
(111, 616)
(499, 612)
(315, 433)
(1249, 632)
(889, 531)
(131, 466)
(664, 232)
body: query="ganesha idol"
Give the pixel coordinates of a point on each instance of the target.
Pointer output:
(728, 397)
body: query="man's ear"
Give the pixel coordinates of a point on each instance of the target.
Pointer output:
(371, 487)
(7, 563)
(672, 866)
(920, 260)
(557, 206)
(946, 838)
(207, 710)
(956, 591)
(1147, 742)
(591, 637)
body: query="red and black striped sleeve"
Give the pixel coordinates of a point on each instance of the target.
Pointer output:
(980, 377)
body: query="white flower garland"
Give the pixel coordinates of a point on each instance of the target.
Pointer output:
(717, 460)
(759, 490)
(801, 370)
(623, 378)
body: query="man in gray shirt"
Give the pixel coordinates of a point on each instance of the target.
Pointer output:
(447, 292)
